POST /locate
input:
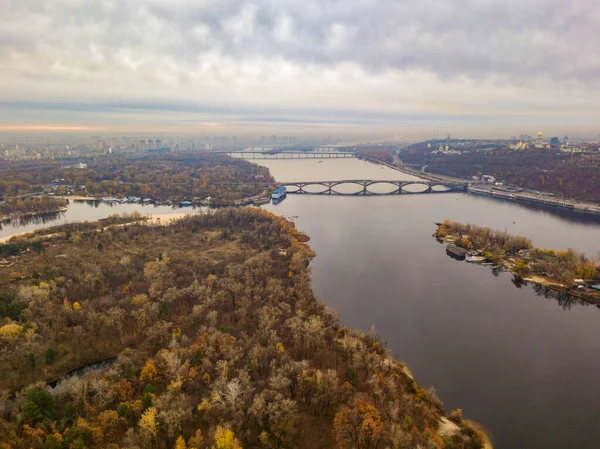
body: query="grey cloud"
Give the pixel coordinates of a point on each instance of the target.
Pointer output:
(510, 39)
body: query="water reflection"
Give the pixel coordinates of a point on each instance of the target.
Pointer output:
(94, 204)
(565, 300)
(39, 219)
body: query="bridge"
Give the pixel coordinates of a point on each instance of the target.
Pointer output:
(288, 155)
(364, 184)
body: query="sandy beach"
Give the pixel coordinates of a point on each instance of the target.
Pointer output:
(166, 218)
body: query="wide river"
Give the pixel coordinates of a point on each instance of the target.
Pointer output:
(524, 365)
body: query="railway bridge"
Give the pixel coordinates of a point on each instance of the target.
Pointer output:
(397, 187)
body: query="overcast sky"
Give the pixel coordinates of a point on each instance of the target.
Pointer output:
(393, 67)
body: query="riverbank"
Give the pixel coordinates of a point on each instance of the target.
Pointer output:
(21, 215)
(537, 199)
(483, 433)
(151, 219)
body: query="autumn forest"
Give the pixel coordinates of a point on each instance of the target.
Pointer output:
(211, 337)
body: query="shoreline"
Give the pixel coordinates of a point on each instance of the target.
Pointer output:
(483, 433)
(160, 219)
(297, 236)
(8, 218)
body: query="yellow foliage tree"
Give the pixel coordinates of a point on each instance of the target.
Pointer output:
(76, 306)
(149, 372)
(192, 373)
(148, 422)
(139, 300)
(10, 331)
(225, 439)
(466, 243)
(195, 441)
(180, 443)
(176, 384)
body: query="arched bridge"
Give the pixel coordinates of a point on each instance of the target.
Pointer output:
(397, 187)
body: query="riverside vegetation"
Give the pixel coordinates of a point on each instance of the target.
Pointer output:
(176, 177)
(23, 207)
(218, 340)
(519, 255)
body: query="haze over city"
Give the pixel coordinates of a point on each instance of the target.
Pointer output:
(357, 68)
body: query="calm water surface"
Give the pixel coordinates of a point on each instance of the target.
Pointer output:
(524, 365)
(84, 210)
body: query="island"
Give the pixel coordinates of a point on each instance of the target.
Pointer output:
(567, 271)
(200, 333)
(172, 178)
(16, 208)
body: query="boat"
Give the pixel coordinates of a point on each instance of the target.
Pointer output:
(499, 194)
(262, 200)
(456, 252)
(279, 194)
(475, 259)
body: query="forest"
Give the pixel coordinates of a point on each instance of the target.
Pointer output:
(378, 153)
(176, 177)
(20, 207)
(572, 176)
(211, 336)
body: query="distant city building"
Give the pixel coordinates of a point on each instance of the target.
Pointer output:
(519, 146)
(97, 145)
(539, 142)
(554, 141)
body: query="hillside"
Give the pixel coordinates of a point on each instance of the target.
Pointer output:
(573, 176)
(218, 338)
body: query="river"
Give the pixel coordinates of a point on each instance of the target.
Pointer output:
(85, 210)
(526, 366)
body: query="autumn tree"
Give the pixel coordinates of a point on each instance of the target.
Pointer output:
(358, 425)
(225, 439)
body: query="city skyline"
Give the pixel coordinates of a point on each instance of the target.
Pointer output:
(358, 69)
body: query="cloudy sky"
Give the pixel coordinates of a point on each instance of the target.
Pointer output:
(384, 67)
